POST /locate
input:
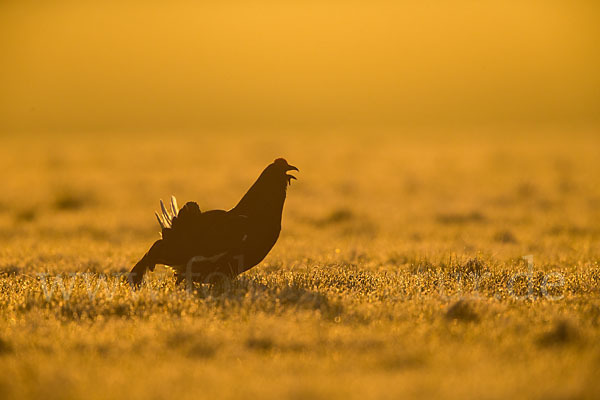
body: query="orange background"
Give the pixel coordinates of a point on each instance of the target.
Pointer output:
(148, 65)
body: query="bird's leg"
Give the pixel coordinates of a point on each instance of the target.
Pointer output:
(149, 261)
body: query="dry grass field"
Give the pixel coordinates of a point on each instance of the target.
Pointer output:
(399, 272)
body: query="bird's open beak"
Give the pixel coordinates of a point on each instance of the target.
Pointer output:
(290, 177)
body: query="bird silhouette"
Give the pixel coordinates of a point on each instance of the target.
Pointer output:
(211, 245)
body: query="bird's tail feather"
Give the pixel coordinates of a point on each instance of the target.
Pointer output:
(174, 208)
(162, 223)
(165, 219)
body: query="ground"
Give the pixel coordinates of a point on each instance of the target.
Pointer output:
(412, 263)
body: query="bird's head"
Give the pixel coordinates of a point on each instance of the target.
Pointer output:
(279, 170)
(268, 193)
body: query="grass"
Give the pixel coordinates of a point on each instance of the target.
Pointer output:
(399, 272)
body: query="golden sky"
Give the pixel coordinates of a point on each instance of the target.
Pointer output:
(150, 65)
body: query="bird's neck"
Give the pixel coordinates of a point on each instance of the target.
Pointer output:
(262, 200)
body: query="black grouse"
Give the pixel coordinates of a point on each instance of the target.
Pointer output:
(212, 245)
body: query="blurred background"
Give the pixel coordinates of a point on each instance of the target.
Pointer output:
(419, 127)
(140, 66)
(432, 136)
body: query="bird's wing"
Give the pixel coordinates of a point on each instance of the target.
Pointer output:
(195, 233)
(190, 214)
(217, 248)
(175, 219)
(220, 231)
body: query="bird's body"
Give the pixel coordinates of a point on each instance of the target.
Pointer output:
(206, 246)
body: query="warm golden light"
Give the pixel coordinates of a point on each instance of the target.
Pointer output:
(188, 65)
(360, 199)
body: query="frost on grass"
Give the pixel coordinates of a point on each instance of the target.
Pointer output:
(394, 277)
